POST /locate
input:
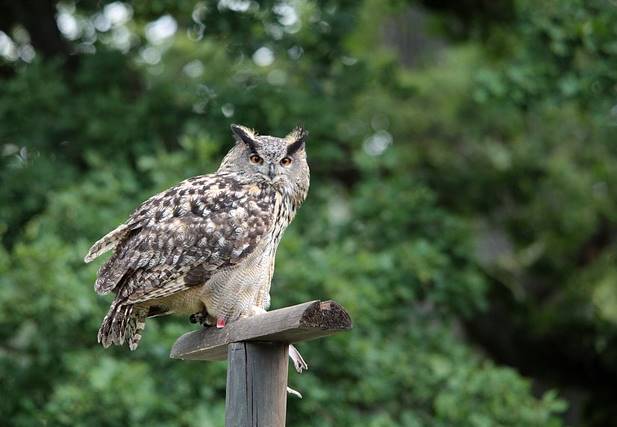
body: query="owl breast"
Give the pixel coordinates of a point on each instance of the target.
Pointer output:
(232, 291)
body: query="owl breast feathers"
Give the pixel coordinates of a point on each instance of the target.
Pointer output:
(207, 245)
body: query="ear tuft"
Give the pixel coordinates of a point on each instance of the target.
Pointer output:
(296, 140)
(297, 133)
(244, 134)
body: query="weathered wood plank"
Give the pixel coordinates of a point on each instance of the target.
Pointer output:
(256, 385)
(288, 325)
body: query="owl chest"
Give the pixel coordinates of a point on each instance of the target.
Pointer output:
(254, 273)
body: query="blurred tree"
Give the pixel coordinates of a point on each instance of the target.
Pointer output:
(467, 200)
(38, 17)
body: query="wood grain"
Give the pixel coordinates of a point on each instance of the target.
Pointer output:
(256, 385)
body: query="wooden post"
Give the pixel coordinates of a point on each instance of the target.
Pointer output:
(257, 350)
(256, 384)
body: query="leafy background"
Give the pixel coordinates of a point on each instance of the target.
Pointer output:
(463, 203)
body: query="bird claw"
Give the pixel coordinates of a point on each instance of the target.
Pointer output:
(202, 317)
(252, 311)
(300, 366)
(294, 392)
(297, 359)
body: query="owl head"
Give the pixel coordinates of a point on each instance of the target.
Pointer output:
(281, 161)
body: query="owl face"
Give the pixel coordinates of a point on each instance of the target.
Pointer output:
(281, 161)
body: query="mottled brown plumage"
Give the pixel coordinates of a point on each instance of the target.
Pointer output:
(208, 244)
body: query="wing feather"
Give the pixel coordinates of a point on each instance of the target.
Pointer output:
(106, 243)
(199, 226)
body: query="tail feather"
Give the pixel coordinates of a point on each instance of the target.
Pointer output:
(107, 281)
(106, 243)
(105, 337)
(123, 322)
(137, 325)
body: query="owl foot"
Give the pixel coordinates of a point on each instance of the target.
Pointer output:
(297, 359)
(253, 311)
(203, 318)
(299, 364)
(294, 392)
(197, 318)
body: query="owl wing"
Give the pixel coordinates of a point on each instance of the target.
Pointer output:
(178, 238)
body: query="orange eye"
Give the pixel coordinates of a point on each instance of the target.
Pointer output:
(286, 161)
(255, 159)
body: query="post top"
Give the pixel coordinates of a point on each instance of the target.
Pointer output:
(297, 323)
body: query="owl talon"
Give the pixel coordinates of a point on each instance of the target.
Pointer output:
(297, 359)
(294, 392)
(202, 317)
(253, 311)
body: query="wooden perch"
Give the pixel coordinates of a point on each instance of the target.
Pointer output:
(256, 349)
(288, 325)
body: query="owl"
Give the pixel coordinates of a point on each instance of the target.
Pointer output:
(205, 247)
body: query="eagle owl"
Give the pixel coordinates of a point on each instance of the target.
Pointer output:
(205, 247)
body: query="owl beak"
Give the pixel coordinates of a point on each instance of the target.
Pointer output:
(271, 170)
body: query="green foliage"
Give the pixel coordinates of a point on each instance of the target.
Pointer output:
(559, 51)
(416, 174)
